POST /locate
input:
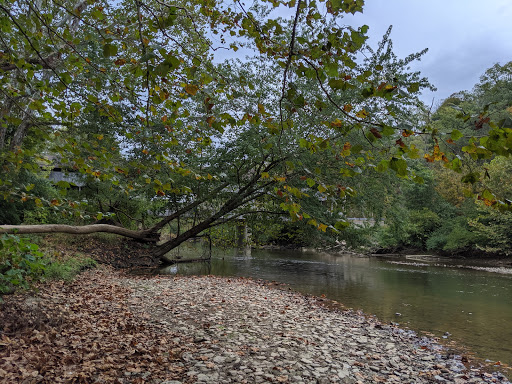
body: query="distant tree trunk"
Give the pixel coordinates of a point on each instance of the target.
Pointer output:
(3, 122)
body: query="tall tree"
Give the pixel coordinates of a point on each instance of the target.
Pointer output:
(128, 94)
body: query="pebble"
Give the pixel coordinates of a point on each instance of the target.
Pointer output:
(242, 331)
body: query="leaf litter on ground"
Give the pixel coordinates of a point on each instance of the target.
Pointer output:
(84, 332)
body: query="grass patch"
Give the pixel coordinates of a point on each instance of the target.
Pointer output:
(62, 261)
(67, 269)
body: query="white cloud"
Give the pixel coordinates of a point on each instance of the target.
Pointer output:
(464, 37)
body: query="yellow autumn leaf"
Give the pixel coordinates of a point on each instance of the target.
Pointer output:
(337, 123)
(191, 89)
(362, 114)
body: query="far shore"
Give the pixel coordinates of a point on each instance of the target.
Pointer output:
(502, 265)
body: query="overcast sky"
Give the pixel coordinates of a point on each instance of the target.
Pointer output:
(464, 37)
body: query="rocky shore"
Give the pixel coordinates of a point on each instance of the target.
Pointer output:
(112, 327)
(247, 332)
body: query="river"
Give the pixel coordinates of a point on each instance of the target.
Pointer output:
(471, 307)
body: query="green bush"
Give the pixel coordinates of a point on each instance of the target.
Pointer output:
(461, 238)
(394, 234)
(494, 228)
(13, 210)
(422, 223)
(405, 228)
(20, 262)
(357, 237)
(453, 235)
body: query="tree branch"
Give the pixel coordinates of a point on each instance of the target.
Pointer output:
(189, 207)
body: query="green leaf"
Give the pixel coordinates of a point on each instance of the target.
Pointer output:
(367, 92)
(486, 194)
(331, 69)
(456, 135)
(337, 83)
(173, 61)
(63, 184)
(66, 78)
(148, 56)
(399, 166)
(303, 143)
(387, 130)
(109, 50)
(413, 88)
(97, 14)
(341, 225)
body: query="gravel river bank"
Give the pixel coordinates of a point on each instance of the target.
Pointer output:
(209, 330)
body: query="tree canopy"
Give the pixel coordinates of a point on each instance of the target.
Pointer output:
(133, 96)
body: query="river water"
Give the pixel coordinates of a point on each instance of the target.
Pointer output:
(473, 306)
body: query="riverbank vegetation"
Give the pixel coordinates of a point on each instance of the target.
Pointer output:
(23, 263)
(443, 214)
(128, 120)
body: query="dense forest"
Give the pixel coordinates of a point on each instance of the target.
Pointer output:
(443, 214)
(127, 120)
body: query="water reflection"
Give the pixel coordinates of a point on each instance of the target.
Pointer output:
(474, 306)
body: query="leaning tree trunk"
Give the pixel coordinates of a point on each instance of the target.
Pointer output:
(148, 236)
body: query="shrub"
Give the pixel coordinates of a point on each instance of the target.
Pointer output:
(358, 237)
(454, 235)
(20, 262)
(13, 210)
(494, 227)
